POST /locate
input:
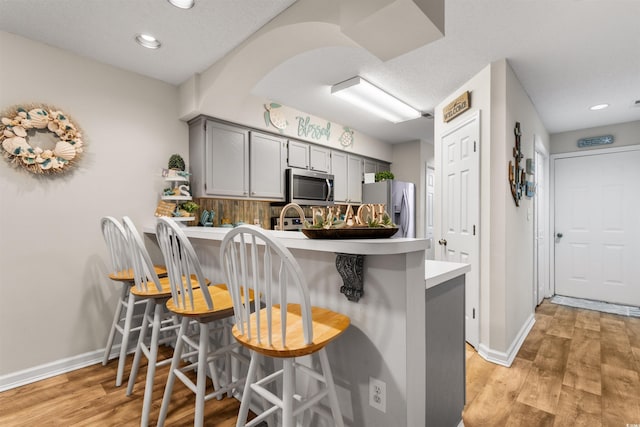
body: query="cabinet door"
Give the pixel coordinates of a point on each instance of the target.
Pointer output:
(383, 167)
(268, 157)
(298, 155)
(227, 160)
(319, 158)
(370, 166)
(354, 179)
(339, 171)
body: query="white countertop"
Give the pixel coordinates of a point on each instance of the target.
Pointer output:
(437, 272)
(297, 240)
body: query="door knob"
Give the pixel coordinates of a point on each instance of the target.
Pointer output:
(443, 242)
(559, 235)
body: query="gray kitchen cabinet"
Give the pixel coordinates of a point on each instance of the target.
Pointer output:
(370, 166)
(298, 154)
(308, 156)
(319, 158)
(267, 160)
(375, 166)
(230, 161)
(219, 159)
(354, 179)
(347, 177)
(339, 171)
(383, 166)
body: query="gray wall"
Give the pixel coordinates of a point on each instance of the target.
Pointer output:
(57, 303)
(623, 133)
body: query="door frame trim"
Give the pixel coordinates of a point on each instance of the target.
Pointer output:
(552, 198)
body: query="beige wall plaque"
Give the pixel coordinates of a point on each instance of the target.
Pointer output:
(456, 107)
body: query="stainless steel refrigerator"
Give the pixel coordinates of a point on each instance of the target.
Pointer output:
(400, 200)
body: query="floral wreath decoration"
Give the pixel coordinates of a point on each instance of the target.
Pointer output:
(18, 120)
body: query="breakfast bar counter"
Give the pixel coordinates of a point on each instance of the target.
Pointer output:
(387, 337)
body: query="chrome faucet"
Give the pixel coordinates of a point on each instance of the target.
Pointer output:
(286, 208)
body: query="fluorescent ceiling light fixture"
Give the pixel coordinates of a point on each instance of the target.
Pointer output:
(598, 107)
(150, 42)
(183, 4)
(363, 94)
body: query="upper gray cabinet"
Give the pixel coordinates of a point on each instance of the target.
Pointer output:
(347, 177)
(354, 179)
(309, 156)
(319, 158)
(267, 163)
(231, 161)
(375, 166)
(298, 154)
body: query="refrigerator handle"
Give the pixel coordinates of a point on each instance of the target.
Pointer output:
(404, 214)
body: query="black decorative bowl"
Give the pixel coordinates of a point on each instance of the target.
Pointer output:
(362, 232)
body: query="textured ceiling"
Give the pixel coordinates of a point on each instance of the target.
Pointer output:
(568, 54)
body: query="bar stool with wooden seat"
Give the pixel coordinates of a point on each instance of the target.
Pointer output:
(155, 291)
(212, 308)
(251, 258)
(122, 272)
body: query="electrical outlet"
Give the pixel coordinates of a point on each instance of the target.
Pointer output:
(378, 394)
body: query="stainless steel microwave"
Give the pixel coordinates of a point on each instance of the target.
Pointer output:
(309, 188)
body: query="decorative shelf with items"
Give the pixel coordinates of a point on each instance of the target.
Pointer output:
(176, 198)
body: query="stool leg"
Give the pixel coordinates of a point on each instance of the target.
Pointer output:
(151, 366)
(116, 320)
(175, 363)
(201, 384)
(136, 359)
(288, 389)
(331, 387)
(124, 346)
(246, 393)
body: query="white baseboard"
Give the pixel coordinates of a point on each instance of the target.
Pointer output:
(506, 359)
(51, 369)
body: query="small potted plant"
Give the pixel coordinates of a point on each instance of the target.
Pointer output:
(176, 162)
(188, 208)
(383, 176)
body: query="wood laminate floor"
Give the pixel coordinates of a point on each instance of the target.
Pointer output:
(89, 397)
(576, 368)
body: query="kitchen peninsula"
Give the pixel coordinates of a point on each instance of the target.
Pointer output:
(390, 325)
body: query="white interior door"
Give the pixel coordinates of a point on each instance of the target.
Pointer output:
(597, 230)
(461, 212)
(429, 220)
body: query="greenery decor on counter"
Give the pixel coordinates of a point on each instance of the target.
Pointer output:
(190, 207)
(384, 176)
(23, 123)
(176, 162)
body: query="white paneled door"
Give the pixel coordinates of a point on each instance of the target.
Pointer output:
(461, 213)
(597, 227)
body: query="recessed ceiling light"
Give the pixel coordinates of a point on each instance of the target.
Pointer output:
(598, 107)
(183, 4)
(150, 42)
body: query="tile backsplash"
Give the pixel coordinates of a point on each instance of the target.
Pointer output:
(235, 211)
(247, 211)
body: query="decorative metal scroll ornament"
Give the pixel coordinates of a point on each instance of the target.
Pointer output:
(517, 175)
(20, 124)
(351, 268)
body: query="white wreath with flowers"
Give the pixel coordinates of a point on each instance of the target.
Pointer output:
(18, 123)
